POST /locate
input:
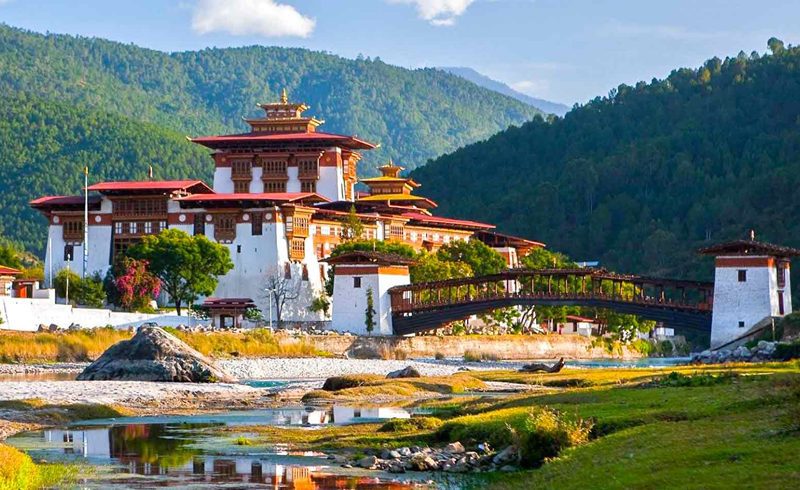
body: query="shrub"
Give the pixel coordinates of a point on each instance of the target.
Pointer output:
(243, 441)
(411, 424)
(337, 383)
(786, 352)
(17, 470)
(665, 348)
(475, 356)
(386, 352)
(539, 433)
(438, 356)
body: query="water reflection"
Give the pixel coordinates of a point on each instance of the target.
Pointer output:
(185, 452)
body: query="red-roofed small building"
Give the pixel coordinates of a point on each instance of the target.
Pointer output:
(280, 196)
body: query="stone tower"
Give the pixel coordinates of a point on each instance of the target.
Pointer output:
(751, 285)
(355, 273)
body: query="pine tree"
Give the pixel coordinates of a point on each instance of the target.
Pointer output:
(352, 227)
(369, 314)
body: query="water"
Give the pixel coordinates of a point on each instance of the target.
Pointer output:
(645, 362)
(195, 452)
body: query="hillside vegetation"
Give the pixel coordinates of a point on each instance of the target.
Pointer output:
(74, 101)
(642, 178)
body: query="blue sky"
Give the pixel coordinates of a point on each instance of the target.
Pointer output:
(563, 50)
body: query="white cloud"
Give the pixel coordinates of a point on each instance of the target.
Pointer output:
(250, 17)
(532, 87)
(438, 12)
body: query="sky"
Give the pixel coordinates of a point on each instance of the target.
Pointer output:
(567, 51)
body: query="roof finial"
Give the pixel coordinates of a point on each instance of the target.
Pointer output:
(284, 96)
(752, 235)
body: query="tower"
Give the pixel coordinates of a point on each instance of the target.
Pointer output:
(751, 285)
(354, 274)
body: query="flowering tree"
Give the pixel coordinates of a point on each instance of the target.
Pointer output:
(136, 285)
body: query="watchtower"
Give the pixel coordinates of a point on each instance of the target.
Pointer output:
(354, 274)
(751, 285)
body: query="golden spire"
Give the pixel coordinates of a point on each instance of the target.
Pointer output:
(284, 96)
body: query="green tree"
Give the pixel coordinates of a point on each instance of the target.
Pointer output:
(369, 313)
(775, 45)
(66, 283)
(352, 227)
(386, 247)
(188, 266)
(85, 292)
(429, 267)
(482, 259)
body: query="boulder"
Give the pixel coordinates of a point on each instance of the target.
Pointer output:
(154, 355)
(368, 462)
(455, 448)
(407, 372)
(507, 455)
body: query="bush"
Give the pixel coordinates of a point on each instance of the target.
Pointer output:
(17, 470)
(786, 352)
(438, 356)
(337, 383)
(88, 292)
(411, 424)
(475, 356)
(539, 433)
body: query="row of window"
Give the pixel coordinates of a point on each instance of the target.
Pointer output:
(140, 207)
(273, 186)
(139, 227)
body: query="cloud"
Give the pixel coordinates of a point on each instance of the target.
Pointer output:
(250, 17)
(438, 12)
(532, 87)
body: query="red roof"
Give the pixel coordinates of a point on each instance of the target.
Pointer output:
(435, 220)
(150, 185)
(9, 271)
(273, 196)
(261, 137)
(62, 200)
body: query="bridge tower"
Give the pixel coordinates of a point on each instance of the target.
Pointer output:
(751, 286)
(354, 274)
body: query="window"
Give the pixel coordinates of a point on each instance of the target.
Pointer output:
(134, 226)
(273, 186)
(73, 230)
(225, 227)
(140, 207)
(256, 223)
(287, 271)
(300, 226)
(298, 249)
(69, 252)
(743, 275)
(305, 272)
(308, 168)
(162, 225)
(781, 275)
(118, 228)
(148, 227)
(199, 224)
(308, 186)
(241, 186)
(780, 303)
(241, 169)
(357, 282)
(274, 168)
(741, 324)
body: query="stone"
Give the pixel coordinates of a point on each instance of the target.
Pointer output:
(53, 327)
(154, 355)
(404, 451)
(508, 468)
(396, 467)
(42, 328)
(368, 462)
(742, 352)
(407, 372)
(484, 447)
(505, 456)
(455, 448)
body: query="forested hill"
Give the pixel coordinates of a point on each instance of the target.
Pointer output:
(414, 114)
(642, 178)
(44, 146)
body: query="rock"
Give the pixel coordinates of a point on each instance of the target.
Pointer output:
(390, 454)
(404, 451)
(742, 352)
(407, 372)
(422, 462)
(484, 447)
(508, 468)
(339, 459)
(154, 355)
(367, 462)
(396, 467)
(455, 448)
(42, 328)
(53, 327)
(505, 456)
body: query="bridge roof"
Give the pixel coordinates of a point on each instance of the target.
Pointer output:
(749, 247)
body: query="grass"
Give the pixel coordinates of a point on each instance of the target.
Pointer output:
(58, 413)
(19, 472)
(88, 345)
(731, 426)
(475, 356)
(367, 386)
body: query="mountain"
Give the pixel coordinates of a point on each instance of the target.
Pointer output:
(482, 80)
(414, 114)
(642, 178)
(70, 101)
